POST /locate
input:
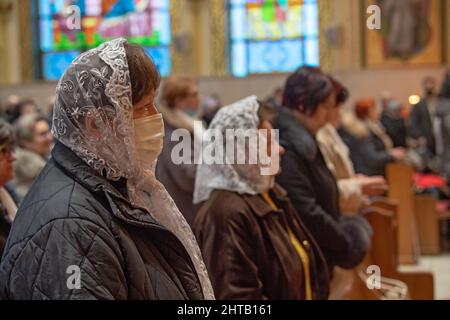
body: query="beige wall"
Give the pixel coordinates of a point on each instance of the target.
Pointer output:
(401, 82)
(10, 66)
(447, 30)
(195, 19)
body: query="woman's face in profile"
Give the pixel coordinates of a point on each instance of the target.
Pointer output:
(146, 106)
(6, 164)
(322, 114)
(269, 140)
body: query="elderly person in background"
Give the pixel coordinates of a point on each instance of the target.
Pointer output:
(254, 243)
(8, 201)
(371, 149)
(353, 189)
(180, 103)
(35, 143)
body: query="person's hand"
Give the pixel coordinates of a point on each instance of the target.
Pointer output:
(398, 153)
(372, 186)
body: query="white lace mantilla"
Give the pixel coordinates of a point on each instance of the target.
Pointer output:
(97, 84)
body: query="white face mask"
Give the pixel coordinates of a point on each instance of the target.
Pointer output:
(149, 134)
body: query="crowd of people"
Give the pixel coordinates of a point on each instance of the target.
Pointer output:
(93, 185)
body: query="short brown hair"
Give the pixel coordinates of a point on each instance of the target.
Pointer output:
(176, 87)
(306, 89)
(144, 74)
(266, 112)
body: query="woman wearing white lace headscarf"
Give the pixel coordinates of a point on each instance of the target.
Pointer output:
(254, 245)
(97, 224)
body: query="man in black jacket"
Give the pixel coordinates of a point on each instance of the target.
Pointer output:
(421, 121)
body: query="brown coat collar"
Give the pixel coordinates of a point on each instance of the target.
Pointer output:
(260, 207)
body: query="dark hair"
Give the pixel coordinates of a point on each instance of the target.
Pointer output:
(341, 92)
(445, 89)
(144, 74)
(266, 112)
(428, 79)
(305, 89)
(6, 134)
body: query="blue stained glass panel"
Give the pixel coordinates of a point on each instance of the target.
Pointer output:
(240, 66)
(312, 52)
(55, 63)
(145, 22)
(277, 56)
(161, 57)
(272, 35)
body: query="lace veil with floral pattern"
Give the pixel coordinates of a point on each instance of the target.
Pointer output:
(97, 84)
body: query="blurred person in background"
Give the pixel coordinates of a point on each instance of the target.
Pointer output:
(423, 115)
(180, 103)
(254, 243)
(370, 147)
(8, 199)
(35, 142)
(354, 189)
(394, 123)
(309, 96)
(9, 108)
(210, 106)
(23, 107)
(276, 98)
(443, 128)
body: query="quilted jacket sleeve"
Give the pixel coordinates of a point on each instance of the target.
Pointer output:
(68, 258)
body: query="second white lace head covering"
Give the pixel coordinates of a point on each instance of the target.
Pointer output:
(243, 179)
(98, 84)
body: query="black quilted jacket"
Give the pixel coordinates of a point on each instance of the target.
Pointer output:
(77, 237)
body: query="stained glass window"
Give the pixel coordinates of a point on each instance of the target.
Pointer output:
(145, 22)
(272, 35)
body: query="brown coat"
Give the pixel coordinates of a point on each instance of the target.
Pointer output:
(248, 252)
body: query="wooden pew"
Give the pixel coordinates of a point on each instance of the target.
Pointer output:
(382, 215)
(399, 177)
(428, 224)
(431, 214)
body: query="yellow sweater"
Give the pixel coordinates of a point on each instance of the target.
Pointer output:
(298, 247)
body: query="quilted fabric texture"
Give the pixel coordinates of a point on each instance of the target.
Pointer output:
(73, 218)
